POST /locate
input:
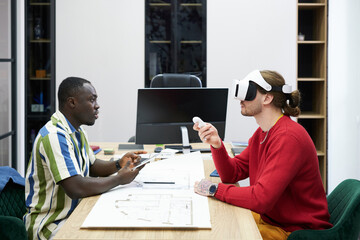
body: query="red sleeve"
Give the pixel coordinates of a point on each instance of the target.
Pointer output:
(231, 170)
(282, 163)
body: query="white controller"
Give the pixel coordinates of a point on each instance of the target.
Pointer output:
(199, 121)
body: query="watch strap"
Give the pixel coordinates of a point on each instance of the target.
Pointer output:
(117, 164)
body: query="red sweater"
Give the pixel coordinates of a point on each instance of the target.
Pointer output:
(285, 183)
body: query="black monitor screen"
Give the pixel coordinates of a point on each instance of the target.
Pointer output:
(162, 111)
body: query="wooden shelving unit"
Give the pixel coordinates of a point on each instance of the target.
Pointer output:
(39, 67)
(312, 74)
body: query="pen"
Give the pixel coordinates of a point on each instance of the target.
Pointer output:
(159, 182)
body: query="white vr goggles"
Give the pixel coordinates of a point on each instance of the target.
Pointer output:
(246, 89)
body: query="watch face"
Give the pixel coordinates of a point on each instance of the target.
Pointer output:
(212, 189)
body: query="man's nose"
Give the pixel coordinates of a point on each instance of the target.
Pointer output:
(97, 106)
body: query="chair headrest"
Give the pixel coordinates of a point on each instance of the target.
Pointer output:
(175, 80)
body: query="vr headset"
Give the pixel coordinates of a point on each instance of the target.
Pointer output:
(246, 89)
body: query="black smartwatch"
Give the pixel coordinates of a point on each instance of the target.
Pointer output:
(213, 189)
(117, 164)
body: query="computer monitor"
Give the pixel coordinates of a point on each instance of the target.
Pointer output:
(162, 111)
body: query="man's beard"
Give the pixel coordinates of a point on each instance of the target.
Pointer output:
(251, 112)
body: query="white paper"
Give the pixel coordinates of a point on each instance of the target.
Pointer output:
(163, 205)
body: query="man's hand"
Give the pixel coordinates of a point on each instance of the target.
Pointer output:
(133, 157)
(202, 187)
(126, 174)
(208, 134)
(79, 187)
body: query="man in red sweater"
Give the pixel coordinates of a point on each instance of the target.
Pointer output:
(286, 191)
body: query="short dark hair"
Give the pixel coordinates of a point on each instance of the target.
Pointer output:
(69, 87)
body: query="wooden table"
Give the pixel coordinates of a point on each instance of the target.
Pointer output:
(227, 221)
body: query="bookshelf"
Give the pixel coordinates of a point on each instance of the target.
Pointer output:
(39, 67)
(312, 74)
(175, 38)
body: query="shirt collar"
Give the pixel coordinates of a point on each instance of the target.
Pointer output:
(64, 122)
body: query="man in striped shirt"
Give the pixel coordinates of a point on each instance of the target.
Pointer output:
(63, 168)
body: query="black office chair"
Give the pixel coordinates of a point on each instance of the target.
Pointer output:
(172, 80)
(131, 139)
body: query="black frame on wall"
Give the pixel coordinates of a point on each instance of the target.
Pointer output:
(175, 38)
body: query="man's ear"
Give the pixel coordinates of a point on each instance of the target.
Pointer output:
(71, 102)
(268, 98)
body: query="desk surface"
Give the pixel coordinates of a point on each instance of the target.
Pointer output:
(228, 222)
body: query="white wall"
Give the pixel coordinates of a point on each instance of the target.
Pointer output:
(103, 41)
(243, 36)
(343, 90)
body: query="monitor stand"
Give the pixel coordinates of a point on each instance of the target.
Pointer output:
(185, 140)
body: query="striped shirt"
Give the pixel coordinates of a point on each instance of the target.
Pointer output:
(59, 151)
